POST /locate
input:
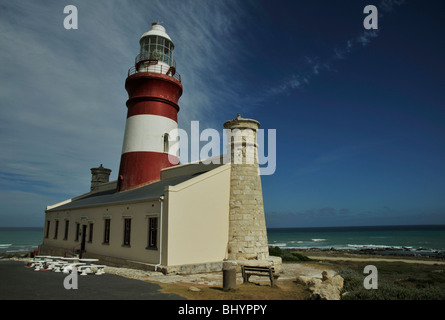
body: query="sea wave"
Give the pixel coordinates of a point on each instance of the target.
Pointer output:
(377, 246)
(277, 244)
(5, 245)
(318, 240)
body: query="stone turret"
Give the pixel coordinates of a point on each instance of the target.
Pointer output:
(99, 176)
(247, 225)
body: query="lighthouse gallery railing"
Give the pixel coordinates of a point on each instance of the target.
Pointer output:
(167, 70)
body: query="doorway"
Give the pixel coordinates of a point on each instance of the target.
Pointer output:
(83, 240)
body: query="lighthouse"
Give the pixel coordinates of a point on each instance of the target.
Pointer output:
(188, 218)
(154, 88)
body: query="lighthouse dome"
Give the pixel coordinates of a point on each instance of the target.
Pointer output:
(156, 30)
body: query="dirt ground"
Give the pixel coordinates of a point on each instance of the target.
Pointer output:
(209, 286)
(284, 290)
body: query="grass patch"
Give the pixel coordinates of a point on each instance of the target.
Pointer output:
(396, 281)
(287, 255)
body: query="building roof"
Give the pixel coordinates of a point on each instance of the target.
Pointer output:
(111, 197)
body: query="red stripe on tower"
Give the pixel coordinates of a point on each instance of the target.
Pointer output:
(154, 89)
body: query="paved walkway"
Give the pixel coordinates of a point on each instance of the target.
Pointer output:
(20, 283)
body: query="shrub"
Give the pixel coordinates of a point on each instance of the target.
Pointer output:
(387, 290)
(275, 251)
(287, 255)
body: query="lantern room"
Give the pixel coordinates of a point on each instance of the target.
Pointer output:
(156, 54)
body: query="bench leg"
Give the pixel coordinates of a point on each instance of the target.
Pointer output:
(246, 277)
(99, 271)
(271, 277)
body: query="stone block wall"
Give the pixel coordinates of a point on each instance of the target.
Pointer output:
(247, 226)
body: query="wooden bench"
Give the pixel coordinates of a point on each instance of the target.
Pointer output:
(269, 271)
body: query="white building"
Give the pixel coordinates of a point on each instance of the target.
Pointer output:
(157, 215)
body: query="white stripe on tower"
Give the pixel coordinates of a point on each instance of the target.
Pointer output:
(138, 139)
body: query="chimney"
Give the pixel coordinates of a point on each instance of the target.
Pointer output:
(99, 176)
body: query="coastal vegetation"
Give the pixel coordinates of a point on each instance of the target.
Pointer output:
(286, 255)
(396, 281)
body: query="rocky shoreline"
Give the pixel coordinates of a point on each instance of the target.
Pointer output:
(388, 252)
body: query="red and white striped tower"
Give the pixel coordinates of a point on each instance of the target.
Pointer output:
(154, 89)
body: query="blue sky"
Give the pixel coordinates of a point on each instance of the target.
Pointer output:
(360, 115)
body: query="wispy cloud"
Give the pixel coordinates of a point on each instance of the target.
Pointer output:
(389, 5)
(316, 66)
(63, 97)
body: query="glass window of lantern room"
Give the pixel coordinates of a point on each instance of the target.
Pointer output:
(152, 49)
(166, 52)
(171, 48)
(152, 44)
(145, 45)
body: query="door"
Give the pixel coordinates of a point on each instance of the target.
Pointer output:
(83, 240)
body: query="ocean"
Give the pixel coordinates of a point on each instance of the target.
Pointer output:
(423, 240)
(407, 240)
(20, 239)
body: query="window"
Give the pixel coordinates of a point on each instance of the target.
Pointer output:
(56, 231)
(158, 48)
(47, 229)
(107, 231)
(90, 233)
(67, 224)
(153, 233)
(77, 232)
(166, 142)
(127, 231)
